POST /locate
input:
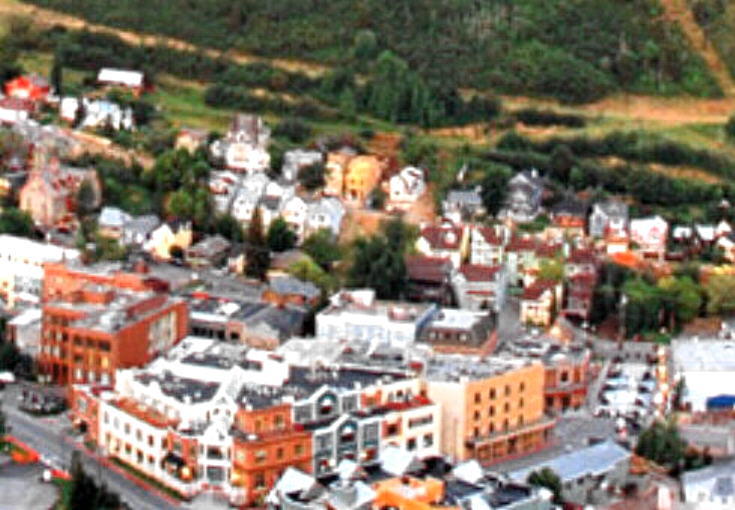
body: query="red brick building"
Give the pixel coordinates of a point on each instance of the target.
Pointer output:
(567, 378)
(97, 324)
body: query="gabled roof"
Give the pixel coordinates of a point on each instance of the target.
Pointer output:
(443, 237)
(478, 273)
(521, 244)
(537, 289)
(594, 460)
(489, 235)
(427, 269)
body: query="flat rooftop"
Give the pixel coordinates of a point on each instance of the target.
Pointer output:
(704, 355)
(180, 388)
(454, 368)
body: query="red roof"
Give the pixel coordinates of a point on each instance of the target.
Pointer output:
(443, 238)
(521, 244)
(537, 289)
(478, 273)
(16, 103)
(490, 236)
(548, 250)
(582, 256)
(427, 269)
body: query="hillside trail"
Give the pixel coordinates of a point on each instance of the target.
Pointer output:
(48, 18)
(669, 111)
(678, 11)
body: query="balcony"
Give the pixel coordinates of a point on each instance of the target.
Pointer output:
(544, 423)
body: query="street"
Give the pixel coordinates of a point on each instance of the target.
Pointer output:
(48, 437)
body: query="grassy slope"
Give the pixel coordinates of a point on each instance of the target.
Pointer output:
(625, 45)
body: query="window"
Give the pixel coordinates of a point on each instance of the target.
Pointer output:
(491, 428)
(259, 480)
(150, 440)
(491, 411)
(492, 393)
(478, 398)
(127, 429)
(520, 403)
(564, 377)
(476, 432)
(522, 386)
(477, 415)
(506, 407)
(411, 445)
(507, 390)
(279, 421)
(260, 456)
(138, 435)
(428, 440)
(279, 453)
(298, 450)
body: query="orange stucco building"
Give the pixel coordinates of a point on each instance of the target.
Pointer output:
(492, 408)
(266, 442)
(352, 177)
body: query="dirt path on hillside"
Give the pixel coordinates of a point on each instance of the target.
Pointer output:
(678, 11)
(46, 17)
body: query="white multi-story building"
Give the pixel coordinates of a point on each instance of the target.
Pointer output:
(357, 315)
(21, 267)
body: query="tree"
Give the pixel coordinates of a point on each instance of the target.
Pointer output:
(494, 187)
(662, 444)
(257, 254)
(377, 198)
(295, 129)
(546, 477)
(86, 198)
(57, 75)
(730, 128)
(683, 298)
(720, 290)
(365, 46)
(378, 261)
(322, 248)
(16, 222)
(309, 271)
(227, 226)
(280, 236)
(312, 177)
(551, 269)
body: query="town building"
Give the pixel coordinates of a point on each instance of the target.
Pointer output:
(453, 331)
(428, 279)
(609, 219)
(567, 371)
(191, 139)
(651, 235)
(21, 267)
(14, 110)
(124, 78)
(357, 315)
(94, 324)
(712, 487)
(463, 205)
(570, 216)
(170, 235)
(525, 191)
(33, 87)
(492, 408)
(352, 177)
(540, 302)
(244, 148)
(586, 475)
(24, 331)
(405, 188)
(296, 160)
(487, 245)
(478, 287)
(446, 240)
(706, 368)
(49, 195)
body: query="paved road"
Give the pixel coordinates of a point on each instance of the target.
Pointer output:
(45, 436)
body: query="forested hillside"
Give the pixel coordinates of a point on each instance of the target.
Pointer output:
(573, 50)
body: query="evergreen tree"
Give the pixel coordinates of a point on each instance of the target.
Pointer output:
(547, 478)
(57, 75)
(280, 236)
(257, 254)
(86, 198)
(322, 248)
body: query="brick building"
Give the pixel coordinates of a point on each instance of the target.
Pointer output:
(94, 324)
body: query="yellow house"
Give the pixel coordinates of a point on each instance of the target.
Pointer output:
(352, 177)
(168, 235)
